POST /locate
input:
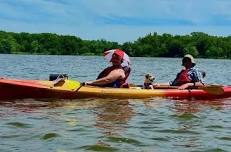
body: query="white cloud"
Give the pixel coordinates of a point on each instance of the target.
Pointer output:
(117, 20)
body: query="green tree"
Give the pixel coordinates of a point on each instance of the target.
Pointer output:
(175, 49)
(166, 45)
(191, 50)
(214, 52)
(7, 44)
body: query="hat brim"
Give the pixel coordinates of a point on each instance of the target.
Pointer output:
(193, 64)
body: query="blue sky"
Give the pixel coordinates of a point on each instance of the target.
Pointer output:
(116, 20)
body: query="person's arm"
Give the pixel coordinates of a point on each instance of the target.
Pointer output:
(111, 77)
(187, 85)
(156, 85)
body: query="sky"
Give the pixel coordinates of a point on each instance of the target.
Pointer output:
(116, 20)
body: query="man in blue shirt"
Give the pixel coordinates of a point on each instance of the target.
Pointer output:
(189, 76)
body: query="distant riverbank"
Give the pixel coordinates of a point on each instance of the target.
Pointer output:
(152, 45)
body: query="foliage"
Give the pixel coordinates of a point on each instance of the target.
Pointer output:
(154, 45)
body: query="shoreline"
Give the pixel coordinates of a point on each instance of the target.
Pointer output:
(82, 55)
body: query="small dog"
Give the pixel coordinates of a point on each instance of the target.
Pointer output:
(148, 81)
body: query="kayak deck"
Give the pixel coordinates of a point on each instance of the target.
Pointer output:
(136, 93)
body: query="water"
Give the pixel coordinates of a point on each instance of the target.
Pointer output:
(156, 124)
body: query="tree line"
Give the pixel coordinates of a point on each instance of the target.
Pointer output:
(152, 45)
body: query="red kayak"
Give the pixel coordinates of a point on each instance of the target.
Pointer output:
(70, 89)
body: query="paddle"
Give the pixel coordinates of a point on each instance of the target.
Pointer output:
(211, 89)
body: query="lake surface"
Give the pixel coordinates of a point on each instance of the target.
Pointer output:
(157, 124)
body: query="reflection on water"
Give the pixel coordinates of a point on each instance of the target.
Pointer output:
(112, 117)
(194, 106)
(111, 125)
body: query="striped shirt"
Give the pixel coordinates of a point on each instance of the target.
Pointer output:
(194, 75)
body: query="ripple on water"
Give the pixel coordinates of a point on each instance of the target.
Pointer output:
(19, 125)
(50, 136)
(99, 147)
(215, 127)
(214, 150)
(225, 138)
(179, 131)
(184, 116)
(124, 140)
(10, 136)
(160, 139)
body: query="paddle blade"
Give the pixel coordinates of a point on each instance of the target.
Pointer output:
(213, 89)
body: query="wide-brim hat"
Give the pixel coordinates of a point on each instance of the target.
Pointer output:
(189, 56)
(126, 61)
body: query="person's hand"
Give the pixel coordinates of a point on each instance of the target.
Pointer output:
(156, 85)
(184, 86)
(88, 83)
